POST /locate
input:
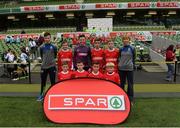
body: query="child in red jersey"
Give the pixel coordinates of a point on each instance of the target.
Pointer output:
(111, 54)
(65, 73)
(64, 54)
(80, 72)
(97, 54)
(95, 71)
(111, 74)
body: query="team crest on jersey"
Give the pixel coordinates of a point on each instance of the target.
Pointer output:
(129, 50)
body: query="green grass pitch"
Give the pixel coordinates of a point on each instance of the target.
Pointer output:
(27, 112)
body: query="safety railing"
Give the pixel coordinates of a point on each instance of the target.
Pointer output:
(138, 64)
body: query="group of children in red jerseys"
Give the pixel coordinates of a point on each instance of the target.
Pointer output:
(110, 73)
(104, 63)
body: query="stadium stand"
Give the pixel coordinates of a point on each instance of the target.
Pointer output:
(52, 30)
(18, 3)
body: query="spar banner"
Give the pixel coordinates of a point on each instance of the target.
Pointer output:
(40, 8)
(86, 100)
(22, 36)
(2, 36)
(106, 6)
(100, 6)
(138, 35)
(141, 5)
(165, 33)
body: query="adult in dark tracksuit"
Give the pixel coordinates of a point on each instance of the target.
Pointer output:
(48, 54)
(126, 63)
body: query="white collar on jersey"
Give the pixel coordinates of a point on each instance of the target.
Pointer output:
(110, 74)
(95, 73)
(80, 71)
(64, 72)
(97, 49)
(111, 50)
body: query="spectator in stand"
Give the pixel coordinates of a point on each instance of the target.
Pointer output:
(111, 74)
(11, 58)
(18, 40)
(97, 54)
(27, 49)
(40, 40)
(80, 72)
(94, 30)
(33, 48)
(4, 54)
(83, 53)
(126, 66)
(24, 61)
(111, 54)
(13, 39)
(95, 71)
(23, 32)
(92, 38)
(64, 55)
(65, 73)
(8, 39)
(48, 54)
(170, 58)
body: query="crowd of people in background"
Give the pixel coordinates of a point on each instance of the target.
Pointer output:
(14, 68)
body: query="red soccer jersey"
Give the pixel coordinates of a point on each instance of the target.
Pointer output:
(78, 74)
(64, 75)
(112, 77)
(98, 56)
(97, 75)
(75, 41)
(112, 56)
(92, 41)
(64, 56)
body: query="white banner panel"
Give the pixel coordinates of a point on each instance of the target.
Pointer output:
(101, 24)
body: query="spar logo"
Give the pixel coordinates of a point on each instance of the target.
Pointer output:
(116, 102)
(86, 102)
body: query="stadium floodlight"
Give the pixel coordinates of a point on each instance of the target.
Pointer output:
(128, 16)
(49, 15)
(89, 14)
(110, 14)
(70, 15)
(30, 16)
(15, 19)
(147, 15)
(172, 13)
(152, 13)
(130, 13)
(51, 18)
(11, 17)
(165, 15)
(34, 18)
